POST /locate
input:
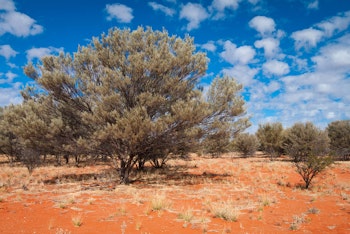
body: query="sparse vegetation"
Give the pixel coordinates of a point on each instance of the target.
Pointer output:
(77, 220)
(224, 210)
(308, 146)
(246, 144)
(132, 100)
(297, 221)
(186, 215)
(270, 136)
(160, 202)
(339, 134)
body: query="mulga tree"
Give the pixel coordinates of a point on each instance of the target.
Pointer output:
(309, 148)
(131, 96)
(30, 129)
(9, 142)
(226, 120)
(246, 144)
(339, 134)
(270, 136)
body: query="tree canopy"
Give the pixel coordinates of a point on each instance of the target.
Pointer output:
(133, 96)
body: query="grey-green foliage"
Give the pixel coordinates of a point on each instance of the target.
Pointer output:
(9, 142)
(270, 136)
(308, 146)
(247, 144)
(305, 139)
(132, 96)
(339, 134)
(224, 123)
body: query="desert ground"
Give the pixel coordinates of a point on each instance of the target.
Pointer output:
(198, 194)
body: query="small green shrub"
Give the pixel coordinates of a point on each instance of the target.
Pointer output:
(246, 144)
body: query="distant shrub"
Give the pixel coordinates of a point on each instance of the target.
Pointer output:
(308, 146)
(303, 140)
(270, 136)
(339, 134)
(246, 144)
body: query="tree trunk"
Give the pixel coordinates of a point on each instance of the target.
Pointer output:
(124, 172)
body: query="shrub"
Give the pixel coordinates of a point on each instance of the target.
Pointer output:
(247, 144)
(270, 136)
(339, 134)
(312, 166)
(304, 140)
(308, 146)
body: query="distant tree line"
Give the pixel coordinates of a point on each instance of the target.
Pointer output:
(298, 141)
(310, 148)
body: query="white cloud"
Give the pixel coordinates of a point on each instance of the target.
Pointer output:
(18, 24)
(7, 51)
(242, 73)
(120, 12)
(218, 7)
(221, 5)
(233, 54)
(335, 24)
(194, 13)
(275, 67)
(7, 5)
(11, 95)
(159, 7)
(9, 76)
(37, 53)
(262, 24)
(334, 57)
(270, 46)
(313, 5)
(209, 46)
(307, 38)
(272, 87)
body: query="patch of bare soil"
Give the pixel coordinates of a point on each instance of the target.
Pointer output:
(197, 195)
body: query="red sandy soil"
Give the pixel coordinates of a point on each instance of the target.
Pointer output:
(256, 195)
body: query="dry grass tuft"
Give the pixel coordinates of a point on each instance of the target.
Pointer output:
(77, 220)
(224, 210)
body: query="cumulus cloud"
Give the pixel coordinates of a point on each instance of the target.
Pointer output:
(262, 24)
(218, 7)
(270, 46)
(7, 78)
(16, 23)
(242, 73)
(310, 37)
(159, 7)
(334, 57)
(272, 87)
(7, 5)
(11, 95)
(237, 55)
(194, 13)
(275, 67)
(335, 24)
(120, 12)
(7, 51)
(37, 53)
(209, 46)
(307, 38)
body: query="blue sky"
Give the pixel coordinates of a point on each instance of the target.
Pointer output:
(292, 56)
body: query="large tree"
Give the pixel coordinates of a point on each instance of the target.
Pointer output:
(133, 96)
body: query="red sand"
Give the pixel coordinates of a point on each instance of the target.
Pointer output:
(263, 196)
